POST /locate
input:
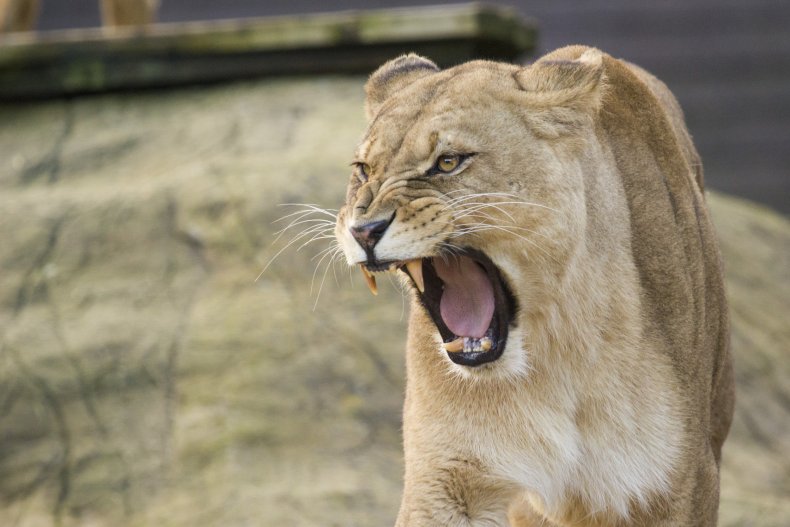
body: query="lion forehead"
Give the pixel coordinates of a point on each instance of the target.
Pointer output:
(413, 117)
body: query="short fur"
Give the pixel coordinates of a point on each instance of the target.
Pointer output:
(614, 394)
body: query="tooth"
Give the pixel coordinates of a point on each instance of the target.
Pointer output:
(415, 270)
(486, 343)
(454, 346)
(393, 267)
(370, 280)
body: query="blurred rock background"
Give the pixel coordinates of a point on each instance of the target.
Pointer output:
(727, 61)
(147, 378)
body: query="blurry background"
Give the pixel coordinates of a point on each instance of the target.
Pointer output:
(727, 61)
(147, 378)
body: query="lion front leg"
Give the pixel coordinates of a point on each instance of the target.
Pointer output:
(453, 493)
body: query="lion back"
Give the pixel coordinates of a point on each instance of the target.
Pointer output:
(673, 241)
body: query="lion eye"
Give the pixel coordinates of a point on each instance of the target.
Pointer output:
(363, 171)
(448, 162)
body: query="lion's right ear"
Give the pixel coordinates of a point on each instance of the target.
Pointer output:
(563, 90)
(394, 76)
(569, 77)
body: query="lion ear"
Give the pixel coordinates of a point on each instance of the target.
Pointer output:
(569, 77)
(394, 76)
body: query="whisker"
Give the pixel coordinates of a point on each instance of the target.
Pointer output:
(511, 227)
(317, 236)
(317, 266)
(512, 200)
(317, 221)
(321, 287)
(485, 227)
(474, 195)
(314, 229)
(301, 215)
(278, 253)
(331, 248)
(309, 206)
(474, 207)
(279, 234)
(336, 260)
(478, 195)
(450, 248)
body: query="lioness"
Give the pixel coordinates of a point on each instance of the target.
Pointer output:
(567, 353)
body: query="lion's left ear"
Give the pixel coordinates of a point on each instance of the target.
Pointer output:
(393, 76)
(570, 77)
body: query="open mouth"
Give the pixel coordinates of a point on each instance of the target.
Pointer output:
(467, 298)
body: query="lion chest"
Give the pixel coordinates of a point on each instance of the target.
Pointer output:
(546, 448)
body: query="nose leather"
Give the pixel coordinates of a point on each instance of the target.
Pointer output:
(368, 235)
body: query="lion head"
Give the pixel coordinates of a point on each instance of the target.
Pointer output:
(468, 180)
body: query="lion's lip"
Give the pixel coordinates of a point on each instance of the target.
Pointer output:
(490, 305)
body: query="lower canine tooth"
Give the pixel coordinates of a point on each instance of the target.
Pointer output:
(454, 346)
(486, 344)
(370, 280)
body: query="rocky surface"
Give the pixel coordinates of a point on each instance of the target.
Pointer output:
(147, 378)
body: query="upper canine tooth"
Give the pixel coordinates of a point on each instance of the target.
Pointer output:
(370, 280)
(415, 271)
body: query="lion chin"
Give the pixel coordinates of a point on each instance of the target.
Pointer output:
(567, 353)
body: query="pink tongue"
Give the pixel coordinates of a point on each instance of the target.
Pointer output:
(467, 303)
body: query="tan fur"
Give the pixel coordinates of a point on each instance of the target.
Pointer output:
(614, 394)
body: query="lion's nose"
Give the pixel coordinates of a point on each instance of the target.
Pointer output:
(368, 234)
